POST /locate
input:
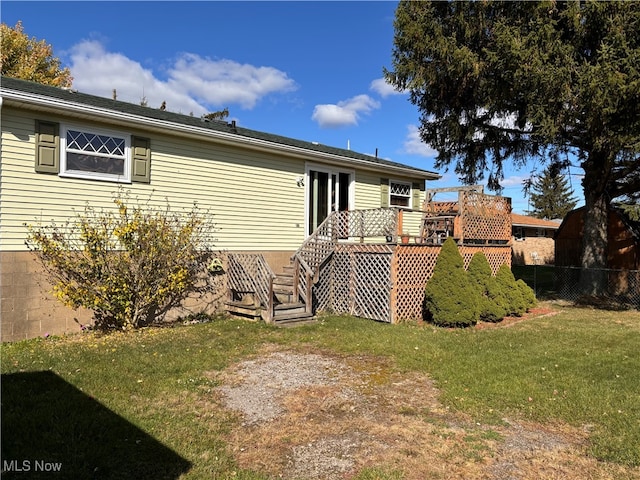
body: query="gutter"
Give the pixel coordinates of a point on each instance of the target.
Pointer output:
(40, 102)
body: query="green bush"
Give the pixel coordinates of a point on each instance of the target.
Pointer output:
(450, 300)
(492, 302)
(129, 265)
(516, 304)
(528, 294)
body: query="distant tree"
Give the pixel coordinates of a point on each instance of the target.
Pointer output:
(503, 82)
(550, 194)
(220, 115)
(30, 59)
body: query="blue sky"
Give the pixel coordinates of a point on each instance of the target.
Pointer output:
(307, 70)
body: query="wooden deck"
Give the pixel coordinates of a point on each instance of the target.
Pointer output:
(356, 263)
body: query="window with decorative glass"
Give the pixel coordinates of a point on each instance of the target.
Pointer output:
(95, 154)
(399, 194)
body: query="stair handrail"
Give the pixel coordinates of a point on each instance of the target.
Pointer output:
(305, 275)
(319, 236)
(327, 234)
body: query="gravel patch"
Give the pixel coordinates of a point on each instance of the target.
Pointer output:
(261, 384)
(328, 457)
(316, 417)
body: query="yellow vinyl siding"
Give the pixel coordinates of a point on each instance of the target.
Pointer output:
(253, 196)
(368, 196)
(367, 190)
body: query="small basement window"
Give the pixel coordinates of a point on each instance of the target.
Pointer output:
(95, 154)
(399, 194)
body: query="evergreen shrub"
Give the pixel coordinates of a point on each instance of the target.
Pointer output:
(528, 294)
(492, 302)
(516, 304)
(450, 299)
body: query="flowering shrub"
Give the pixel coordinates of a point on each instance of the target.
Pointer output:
(129, 265)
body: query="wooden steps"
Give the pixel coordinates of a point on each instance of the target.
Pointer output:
(283, 287)
(244, 310)
(287, 310)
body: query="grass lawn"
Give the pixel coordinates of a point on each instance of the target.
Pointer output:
(104, 406)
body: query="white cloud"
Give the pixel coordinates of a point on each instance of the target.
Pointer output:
(346, 112)
(194, 83)
(414, 145)
(513, 181)
(382, 88)
(224, 82)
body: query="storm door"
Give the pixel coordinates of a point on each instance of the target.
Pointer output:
(327, 191)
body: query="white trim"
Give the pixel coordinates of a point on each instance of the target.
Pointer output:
(409, 197)
(105, 177)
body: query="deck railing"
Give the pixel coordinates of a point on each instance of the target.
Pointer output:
(308, 259)
(251, 273)
(345, 225)
(477, 222)
(475, 218)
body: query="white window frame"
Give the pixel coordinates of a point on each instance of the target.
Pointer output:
(409, 197)
(106, 177)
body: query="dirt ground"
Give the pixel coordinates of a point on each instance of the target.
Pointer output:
(307, 416)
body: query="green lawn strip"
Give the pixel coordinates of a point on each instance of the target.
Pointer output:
(580, 366)
(149, 379)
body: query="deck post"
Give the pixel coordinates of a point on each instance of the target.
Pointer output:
(296, 278)
(393, 308)
(308, 301)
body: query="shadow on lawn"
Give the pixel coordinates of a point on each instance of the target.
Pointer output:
(50, 429)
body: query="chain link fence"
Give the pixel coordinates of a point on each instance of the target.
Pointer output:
(615, 287)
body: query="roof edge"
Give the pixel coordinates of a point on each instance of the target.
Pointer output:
(45, 100)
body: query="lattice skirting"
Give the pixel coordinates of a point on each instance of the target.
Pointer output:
(357, 281)
(386, 282)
